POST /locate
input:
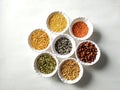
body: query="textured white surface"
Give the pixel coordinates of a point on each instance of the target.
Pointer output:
(19, 17)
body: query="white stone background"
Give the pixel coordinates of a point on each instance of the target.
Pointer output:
(19, 17)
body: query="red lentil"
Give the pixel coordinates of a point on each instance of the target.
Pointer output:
(80, 29)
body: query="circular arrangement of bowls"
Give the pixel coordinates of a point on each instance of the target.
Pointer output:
(63, 41)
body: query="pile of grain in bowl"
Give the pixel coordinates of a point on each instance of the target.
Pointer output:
(87, 52)
(80, 29)
(39, 39)
(63, 46)
(69, 69)
(45, 63)
(57, 22)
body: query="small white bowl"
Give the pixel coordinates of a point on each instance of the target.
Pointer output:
(70, 81)
(72, 42)
(48, 33)
(87, 22)
(64, 30)
(50, 74)
(97, 56)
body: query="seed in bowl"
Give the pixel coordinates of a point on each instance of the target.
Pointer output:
(45, 63)
(57, 22)
(63, 46)
(87, 52)
(69, 69)
(80, 29)
(39, 39)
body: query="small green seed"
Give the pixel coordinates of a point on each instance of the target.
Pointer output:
(45, 63)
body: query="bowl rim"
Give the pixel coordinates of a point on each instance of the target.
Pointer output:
(71, 81)
(67, 19)
(50, 74)
(87, 22)
(97, 56)
(71, 40)
(49, 35)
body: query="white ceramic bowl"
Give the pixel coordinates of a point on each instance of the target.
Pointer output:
(50, 74)
(48, 33)
(70, 81)
(97, 56)
(58, 33)
(87, 22)
(72, 50)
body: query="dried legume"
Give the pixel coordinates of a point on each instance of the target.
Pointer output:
(80, 29)
(87, 52)
(69, 69)
(57, 22)
(63, 46)
(39, 39)
(45, 63)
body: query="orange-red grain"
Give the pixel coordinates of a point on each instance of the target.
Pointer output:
(80, 29)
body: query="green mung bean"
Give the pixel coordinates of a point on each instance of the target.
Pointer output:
(45, 63)
(63, 46)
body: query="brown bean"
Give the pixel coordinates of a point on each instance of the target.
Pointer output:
(87, 52)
